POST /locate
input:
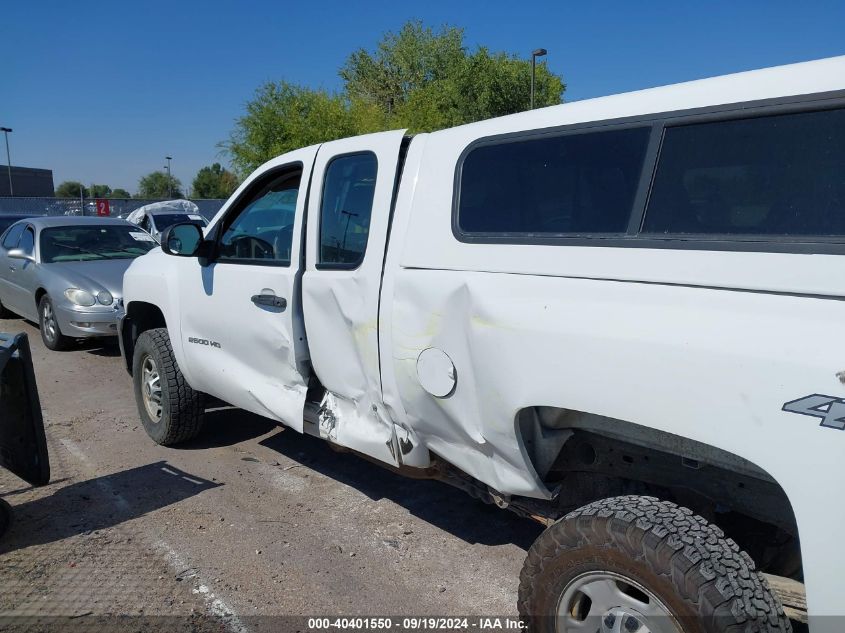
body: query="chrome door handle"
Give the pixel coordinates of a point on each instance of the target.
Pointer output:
(271, 301)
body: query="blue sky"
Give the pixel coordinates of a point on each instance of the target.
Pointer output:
(102, 91)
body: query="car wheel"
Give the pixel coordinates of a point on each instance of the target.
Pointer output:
(49, 326)
(640, 564)
(170, 410)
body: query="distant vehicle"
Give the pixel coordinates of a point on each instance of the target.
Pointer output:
(67, 273)
(8, 220)
(156, 217)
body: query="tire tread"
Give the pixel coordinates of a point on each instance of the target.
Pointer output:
(709, 571)
(185, 406)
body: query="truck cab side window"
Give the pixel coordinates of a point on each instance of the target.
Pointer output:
(263, 229)
(345, 209)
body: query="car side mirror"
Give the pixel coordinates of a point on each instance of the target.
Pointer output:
(17, 253)
(182, 240)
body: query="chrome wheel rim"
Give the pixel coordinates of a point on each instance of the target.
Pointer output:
(51, 329)
(151, 388)
(604, 602)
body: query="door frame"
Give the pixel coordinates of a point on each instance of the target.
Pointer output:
(302, 160)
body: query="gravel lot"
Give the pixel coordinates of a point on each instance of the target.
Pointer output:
(250, 519)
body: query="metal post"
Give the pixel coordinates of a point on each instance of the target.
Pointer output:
(540, 52)
(81, 200)
(6, 131)
(169, 178)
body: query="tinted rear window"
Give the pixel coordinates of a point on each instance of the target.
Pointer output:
(582, 183)
(778, 175)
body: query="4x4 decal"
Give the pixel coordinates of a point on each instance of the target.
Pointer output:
(830, 409)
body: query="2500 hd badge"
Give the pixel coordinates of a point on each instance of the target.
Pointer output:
(203, 341)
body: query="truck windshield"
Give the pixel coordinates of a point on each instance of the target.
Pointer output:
(83, 243)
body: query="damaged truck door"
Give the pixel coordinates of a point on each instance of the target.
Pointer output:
(252, 277)
(349, 216)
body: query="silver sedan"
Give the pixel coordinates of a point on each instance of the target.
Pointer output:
(66, 273)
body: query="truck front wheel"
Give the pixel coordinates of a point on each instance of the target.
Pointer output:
(170, 410)
(638, 564)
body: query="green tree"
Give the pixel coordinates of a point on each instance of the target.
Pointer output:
(282, 117)
(403, 63)
(418, 78)
(214, 182)
(70, 189)
(158, 184)
(99, 191)
(426, 80)
(119, 193)
(483, 85)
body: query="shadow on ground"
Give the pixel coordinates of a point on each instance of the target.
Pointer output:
(107, 347)
(435, 502)
(227, 426)
(99, 503)
(97, 346)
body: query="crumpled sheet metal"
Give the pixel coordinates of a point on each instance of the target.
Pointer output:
(474, 428)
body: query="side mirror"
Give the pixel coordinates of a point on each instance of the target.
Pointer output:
(17, 253)
(182, 240)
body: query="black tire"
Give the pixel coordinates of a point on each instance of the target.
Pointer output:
(702, 578)
(181, 408)
(51, 334)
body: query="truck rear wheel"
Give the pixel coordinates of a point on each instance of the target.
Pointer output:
(170, 410)
(640, 565)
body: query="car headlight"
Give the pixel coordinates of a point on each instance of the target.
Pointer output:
(105, 298)
(80, 297)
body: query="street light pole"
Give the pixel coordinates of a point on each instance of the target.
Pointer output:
(539, 52)
(169, 178)
(6, 131)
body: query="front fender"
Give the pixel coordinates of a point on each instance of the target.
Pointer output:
(150, 286)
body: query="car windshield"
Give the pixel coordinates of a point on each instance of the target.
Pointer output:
(164, 220)
(85, 243)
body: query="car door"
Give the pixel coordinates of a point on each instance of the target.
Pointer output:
(348, 222)
(241, 315)
(22, 277)
(7, 265)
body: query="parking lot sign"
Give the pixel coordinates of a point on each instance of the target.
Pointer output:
(103, 207)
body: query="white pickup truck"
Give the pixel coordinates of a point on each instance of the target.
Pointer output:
(621, 317)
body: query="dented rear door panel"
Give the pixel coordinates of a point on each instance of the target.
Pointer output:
(341, 299)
